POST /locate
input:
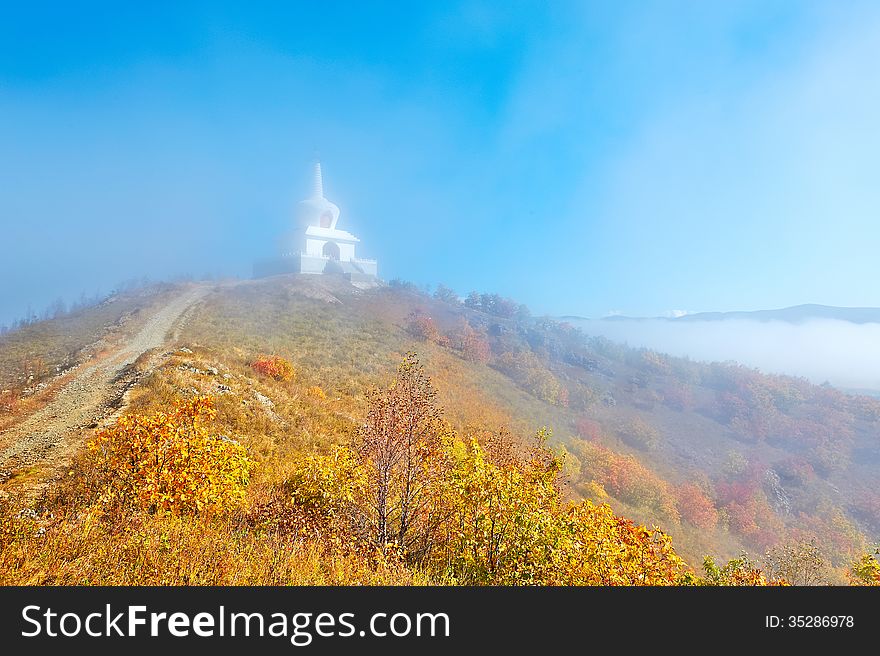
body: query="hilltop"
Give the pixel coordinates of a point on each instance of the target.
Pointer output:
(722, 458)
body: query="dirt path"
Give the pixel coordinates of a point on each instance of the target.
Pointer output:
(54, 432)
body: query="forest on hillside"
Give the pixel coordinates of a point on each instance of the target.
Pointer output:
(772, 461)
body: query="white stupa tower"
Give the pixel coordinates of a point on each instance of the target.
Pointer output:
(316, 209)
(317, 245)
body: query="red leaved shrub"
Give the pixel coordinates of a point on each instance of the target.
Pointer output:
(274, 366)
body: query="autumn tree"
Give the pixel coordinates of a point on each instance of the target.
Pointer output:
(447, 295)
(867, 505)
(403, 285)
(496, 305)
(742, 571)
(509, 525)
(589, 429)
(795, 471)
(696, 507)
(799, 563)
(640, 433)
(735, 464)
(625, 478)
(422, 326)
(866, 570)
(502, 511)
(401, 446)
(473, 344)
(678, 396)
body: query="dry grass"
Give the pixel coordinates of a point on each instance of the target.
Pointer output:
(37, 352)
(149, 550)
(34, 358)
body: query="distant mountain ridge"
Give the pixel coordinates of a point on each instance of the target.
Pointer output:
(794, 314)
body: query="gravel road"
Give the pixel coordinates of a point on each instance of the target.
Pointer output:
(57, 428)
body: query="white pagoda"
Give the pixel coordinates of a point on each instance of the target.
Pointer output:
(317, 245)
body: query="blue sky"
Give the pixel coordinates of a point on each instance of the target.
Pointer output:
(585, 158)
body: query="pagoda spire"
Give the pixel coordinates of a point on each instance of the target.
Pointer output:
(317, 182)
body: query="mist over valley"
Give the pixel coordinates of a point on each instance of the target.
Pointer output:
(842, 353)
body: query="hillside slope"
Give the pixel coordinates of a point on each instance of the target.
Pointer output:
(87, 391)
(774, 457)
(722, 458)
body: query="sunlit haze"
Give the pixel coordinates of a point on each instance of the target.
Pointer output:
(583, 158)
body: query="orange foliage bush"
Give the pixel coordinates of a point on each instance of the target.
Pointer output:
(678, 396)
(168, 463)
(589, 429)
(420, 325)
(626, 478)
(840, 538)
(473, 344)
(274, 366)
(641, 556)
(748, 510)
(695, 507)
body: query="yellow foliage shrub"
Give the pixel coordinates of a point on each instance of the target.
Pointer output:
(736, 572)
(317, 393)
(593, 491)
(865, 571)
(508, 525)
(168, 463)
(639, 556)
(324, 487)
(529, 371)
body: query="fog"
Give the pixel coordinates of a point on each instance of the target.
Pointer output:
(516, 150)
(845, 354)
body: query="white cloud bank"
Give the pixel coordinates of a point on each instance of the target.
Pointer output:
(845, 354)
